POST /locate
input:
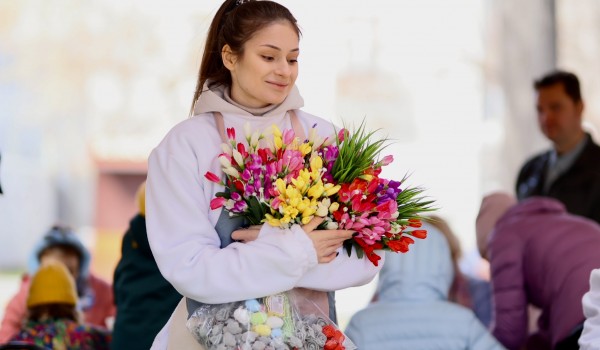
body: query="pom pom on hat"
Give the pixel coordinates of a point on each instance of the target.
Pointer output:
(52, 284)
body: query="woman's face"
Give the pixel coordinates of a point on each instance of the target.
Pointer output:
(266, 72)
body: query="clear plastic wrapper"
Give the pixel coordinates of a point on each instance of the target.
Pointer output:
(285, 321)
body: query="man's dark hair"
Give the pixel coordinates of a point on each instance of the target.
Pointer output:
(569, 81)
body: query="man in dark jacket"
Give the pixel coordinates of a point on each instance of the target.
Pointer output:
(144, 299)
(570, 171)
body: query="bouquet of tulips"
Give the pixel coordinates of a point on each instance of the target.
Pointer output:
(281, 180)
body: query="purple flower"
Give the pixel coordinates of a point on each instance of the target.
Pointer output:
(240, 206)
(246, 175)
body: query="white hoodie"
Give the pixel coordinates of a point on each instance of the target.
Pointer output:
(590, 337)
(181, 224)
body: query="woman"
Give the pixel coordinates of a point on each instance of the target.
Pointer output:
(247, 75)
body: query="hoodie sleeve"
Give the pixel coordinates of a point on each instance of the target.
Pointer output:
(590, 337)
(480, 338)
(187, 248)
(510, 302)
(343, 272)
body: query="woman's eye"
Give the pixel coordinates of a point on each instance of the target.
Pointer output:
(293, 61)
(268, 58)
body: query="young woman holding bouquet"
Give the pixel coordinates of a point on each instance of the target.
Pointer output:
(247, 75)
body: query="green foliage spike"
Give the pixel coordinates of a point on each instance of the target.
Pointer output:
(357, 153)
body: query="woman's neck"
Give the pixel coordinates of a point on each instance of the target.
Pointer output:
(257, 111)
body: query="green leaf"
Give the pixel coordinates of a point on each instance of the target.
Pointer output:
(357, 153)
(348, 246)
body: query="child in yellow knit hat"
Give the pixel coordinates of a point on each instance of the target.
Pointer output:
(53, 319)
(52, 284)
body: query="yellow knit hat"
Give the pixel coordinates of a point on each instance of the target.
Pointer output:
(52, 284)
(140, 198)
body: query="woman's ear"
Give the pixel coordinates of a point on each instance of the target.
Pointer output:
(229, 58)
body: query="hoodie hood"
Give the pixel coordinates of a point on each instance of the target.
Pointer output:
(61, 236)
(533, 206)
(425, 273)
(212, 100)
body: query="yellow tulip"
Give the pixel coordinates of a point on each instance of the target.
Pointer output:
(278, 142)
(272, 221)
(330, 190)
(366, 177)
(316, 163)
(306, 220)
(276, 131)
(334, 207)
(280, 184)
(316, 190)
(299, 183)
(309, 212)
(304, 203)
(305, 149)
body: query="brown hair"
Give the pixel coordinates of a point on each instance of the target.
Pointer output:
(53, 311)
(234, 25)
(568, 80)
(458, 292)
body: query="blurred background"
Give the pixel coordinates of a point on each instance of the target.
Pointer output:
(88, 88)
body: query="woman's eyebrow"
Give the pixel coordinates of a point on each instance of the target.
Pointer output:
(278, 49)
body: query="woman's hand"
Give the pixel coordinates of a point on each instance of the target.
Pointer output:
(246, 234)
(326, 242)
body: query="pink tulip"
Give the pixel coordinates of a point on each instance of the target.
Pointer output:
(217, 202)
(288, 136)
(387, 160)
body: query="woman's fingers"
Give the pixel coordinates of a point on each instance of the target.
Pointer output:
(245, 235)
(331, 235)
(313, 224)
(327, 242)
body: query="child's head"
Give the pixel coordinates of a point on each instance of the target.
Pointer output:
(52, 292)
(61, 243)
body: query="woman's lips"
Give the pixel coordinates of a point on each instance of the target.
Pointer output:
(278, 85)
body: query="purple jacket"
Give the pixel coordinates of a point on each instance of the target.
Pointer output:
(541, 255)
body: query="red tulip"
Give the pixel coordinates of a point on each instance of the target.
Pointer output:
(212, 177)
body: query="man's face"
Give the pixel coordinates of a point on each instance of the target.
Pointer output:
(559, 116)
(70, 260)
